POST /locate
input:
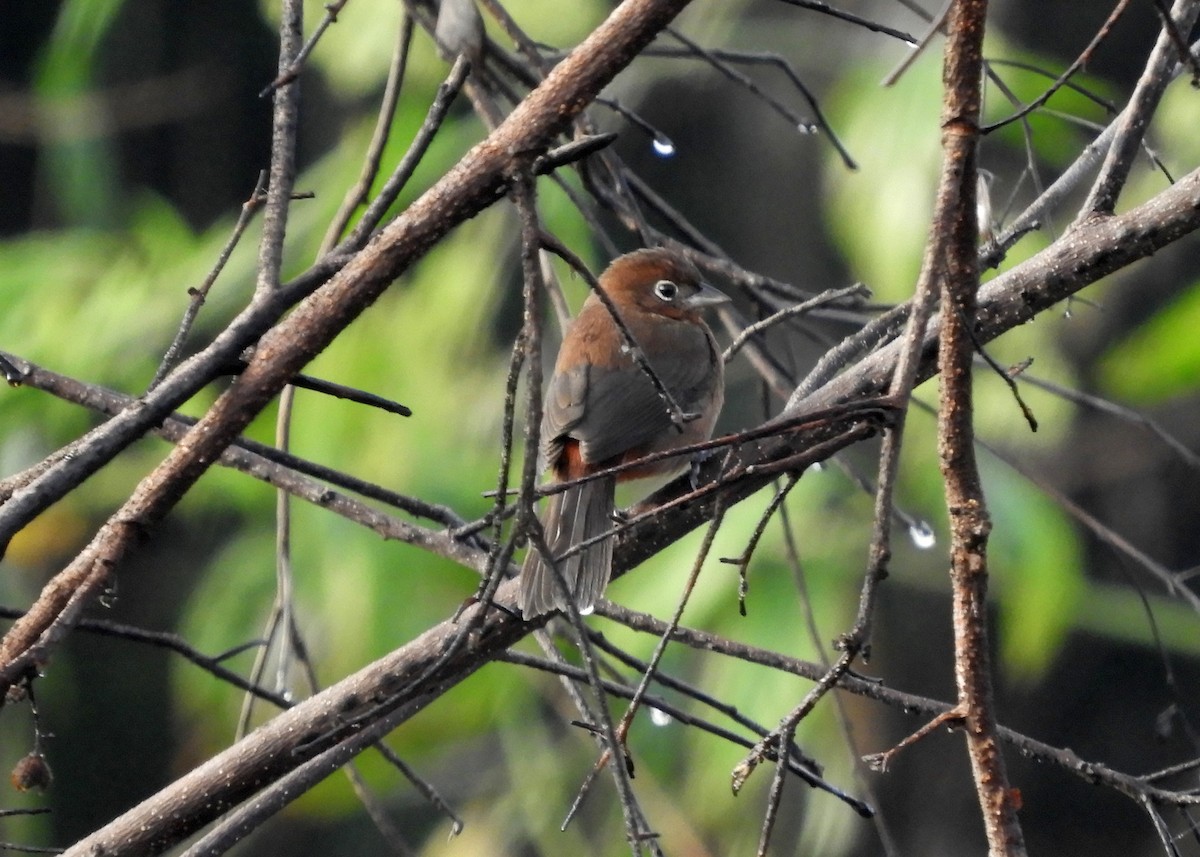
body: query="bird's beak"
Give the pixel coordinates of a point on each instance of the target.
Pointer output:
(707, 296)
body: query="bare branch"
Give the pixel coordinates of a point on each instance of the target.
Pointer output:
(285, 127)
(1065, 77)
(200, 293)
(477, 181)
(955, 238)
(1135, 118)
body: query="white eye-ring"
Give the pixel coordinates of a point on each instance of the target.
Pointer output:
(666, 290)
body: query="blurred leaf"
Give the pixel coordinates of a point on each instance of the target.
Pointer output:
(880, 214)
(1161, 358)
(1036, 572)
(1055, 140)
(354, 53)
(1119, 613)
(77, 162)
(52, 537)
(1175, 137)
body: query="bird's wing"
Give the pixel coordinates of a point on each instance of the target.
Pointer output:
(563, 408)
(624, 411)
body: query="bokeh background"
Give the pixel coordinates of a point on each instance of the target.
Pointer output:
(130, 133)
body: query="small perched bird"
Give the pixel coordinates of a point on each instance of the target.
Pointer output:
(602, 409)
(459, 30)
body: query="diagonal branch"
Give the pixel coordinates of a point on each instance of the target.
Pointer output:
(1086, 254)
(475, 182)
(1134, 120)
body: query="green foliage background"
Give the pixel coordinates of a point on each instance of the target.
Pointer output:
(95, 290)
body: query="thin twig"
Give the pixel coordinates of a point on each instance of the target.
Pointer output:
(200, 293)
(285, 133)
(178, 645)
(858, 290)
(1177, 36)
(285, 125)
(1080, 61)
(865, 783)
(357, 194)
(496, 517)
(684, 596)
(851, 18)
(742, 562)
(934, 25)
(435, 116)
(426, 789)
(1134, 120)
(292, 71)
(775, 792)
(1005, 376)
(720, 62)
(1099, 403)
(1090, 94)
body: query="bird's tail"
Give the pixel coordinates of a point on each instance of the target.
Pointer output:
(576, 515)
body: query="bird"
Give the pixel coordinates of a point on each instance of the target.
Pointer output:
(602, 409)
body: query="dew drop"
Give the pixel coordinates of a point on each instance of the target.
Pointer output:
(660, 718)
(807, 128)
(922, 535)
(817, 466)
(663, 147)
(587, 611)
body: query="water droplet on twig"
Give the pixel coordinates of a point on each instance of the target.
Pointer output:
(663, 147)
(922, 535)
(660, 718)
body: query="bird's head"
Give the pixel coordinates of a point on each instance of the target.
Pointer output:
(660, 281)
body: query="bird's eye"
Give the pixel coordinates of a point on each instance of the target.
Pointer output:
(666, 290)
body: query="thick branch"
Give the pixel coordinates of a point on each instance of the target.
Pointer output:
(1135, 119)
(393, 689)
(422, 670)
(476, 181)
(1084, 255)
(954, 240)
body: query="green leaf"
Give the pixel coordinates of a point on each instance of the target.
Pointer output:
(1036, 573)
(1161, 358)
